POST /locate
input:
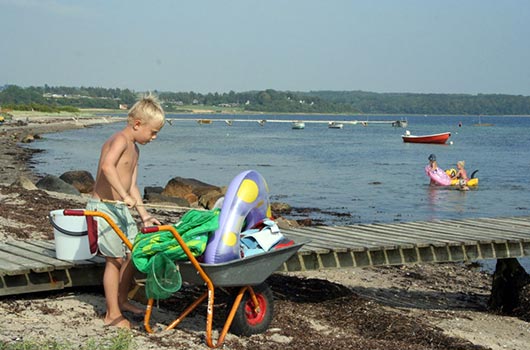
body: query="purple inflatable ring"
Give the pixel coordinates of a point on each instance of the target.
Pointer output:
(245, 204)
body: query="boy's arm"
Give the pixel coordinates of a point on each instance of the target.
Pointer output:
(147, 219)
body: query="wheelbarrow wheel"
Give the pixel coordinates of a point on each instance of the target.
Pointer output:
(250, 320)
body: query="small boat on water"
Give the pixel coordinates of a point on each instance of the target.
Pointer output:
(480, 123)
(204, 121)
(298, 125)
(335, 125)
(433, 138)
(400, 123)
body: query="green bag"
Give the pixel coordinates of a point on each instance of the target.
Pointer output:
(154, 253)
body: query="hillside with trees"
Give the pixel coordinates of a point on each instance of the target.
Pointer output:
(54, 99)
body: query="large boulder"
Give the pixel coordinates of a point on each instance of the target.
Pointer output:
(153, 194)
(281, 208)
(55, 184)
(191, 190)
(209, 199)
(80, 179)
(25, 183)
(151, 190)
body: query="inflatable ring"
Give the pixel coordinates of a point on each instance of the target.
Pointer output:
(438, 176)
(246, 203)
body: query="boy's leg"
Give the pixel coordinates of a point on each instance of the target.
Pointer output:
(111, 246)
(111, 285)
(127, 274)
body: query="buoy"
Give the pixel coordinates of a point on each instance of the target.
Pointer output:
(450, 142)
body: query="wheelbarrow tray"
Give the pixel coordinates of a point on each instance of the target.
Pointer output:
(248, 271)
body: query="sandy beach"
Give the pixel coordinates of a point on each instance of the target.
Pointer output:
(403, 307)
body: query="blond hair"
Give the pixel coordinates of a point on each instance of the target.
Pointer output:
(461, 163)
(146, 109)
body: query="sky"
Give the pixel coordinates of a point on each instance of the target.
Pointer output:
(417, 46)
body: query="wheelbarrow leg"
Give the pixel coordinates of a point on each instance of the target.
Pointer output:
(186, 312)
(147, 315)
(228, 322)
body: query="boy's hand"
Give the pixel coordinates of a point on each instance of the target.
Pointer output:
(150, 221)
(129, 201)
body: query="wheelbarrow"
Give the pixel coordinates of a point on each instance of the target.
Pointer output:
(253, 305)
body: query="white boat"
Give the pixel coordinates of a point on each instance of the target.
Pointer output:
(297, 124)
(400, 123)
(335, 125)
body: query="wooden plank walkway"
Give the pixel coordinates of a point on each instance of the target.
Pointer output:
(410, 242)
(31, 266)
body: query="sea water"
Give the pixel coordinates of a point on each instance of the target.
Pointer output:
(367, 173)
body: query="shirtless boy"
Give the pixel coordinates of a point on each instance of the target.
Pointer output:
(115, 191)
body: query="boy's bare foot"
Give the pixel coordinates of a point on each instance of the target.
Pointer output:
(127, 306)
(120, 322)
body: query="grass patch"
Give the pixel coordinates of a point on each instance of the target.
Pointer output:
(121, 340)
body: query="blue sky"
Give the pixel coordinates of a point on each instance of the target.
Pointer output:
(424, 46)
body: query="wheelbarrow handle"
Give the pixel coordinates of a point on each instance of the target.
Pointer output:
(150, 229)
(73, 212)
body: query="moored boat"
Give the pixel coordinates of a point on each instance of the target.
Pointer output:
(335, 125)
(433, 138)
(400, 123)
(297, 125)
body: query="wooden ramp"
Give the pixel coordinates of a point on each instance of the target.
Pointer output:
(31, 266)
(410, 242)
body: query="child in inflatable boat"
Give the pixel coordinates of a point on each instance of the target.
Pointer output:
(461, 175)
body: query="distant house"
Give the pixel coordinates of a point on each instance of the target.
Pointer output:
(123, 106)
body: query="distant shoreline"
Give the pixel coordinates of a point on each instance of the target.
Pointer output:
(15, 160)
(100, 112)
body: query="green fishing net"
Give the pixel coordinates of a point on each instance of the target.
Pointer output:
(163, 278)
(155, 253)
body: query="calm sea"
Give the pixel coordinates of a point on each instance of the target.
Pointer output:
(367, 173)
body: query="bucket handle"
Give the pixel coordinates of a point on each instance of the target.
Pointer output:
(66, 232)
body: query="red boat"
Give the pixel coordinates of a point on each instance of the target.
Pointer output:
(434, 138)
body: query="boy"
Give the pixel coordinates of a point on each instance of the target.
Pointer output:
(461, 175)
(116, 182)
(433, 165)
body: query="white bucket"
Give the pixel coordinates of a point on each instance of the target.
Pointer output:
(71, 236)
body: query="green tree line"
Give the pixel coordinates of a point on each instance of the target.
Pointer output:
(272, 101)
